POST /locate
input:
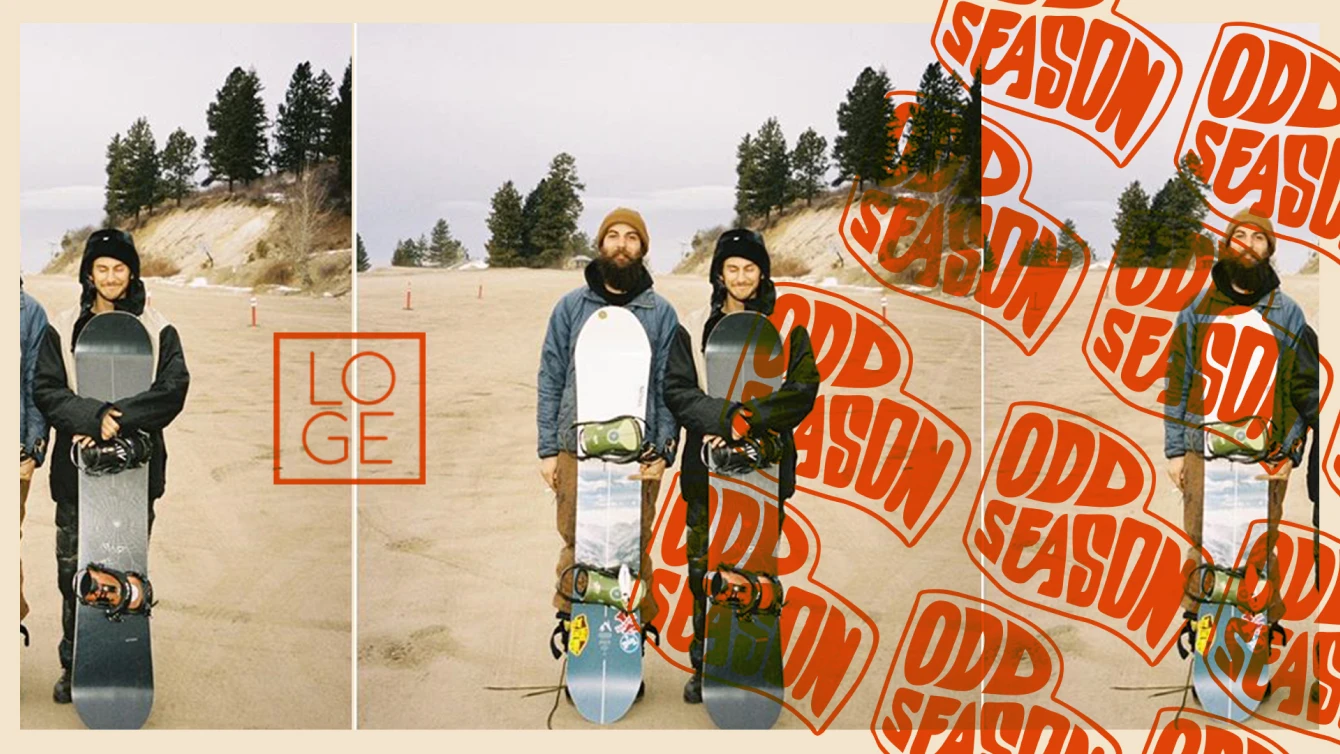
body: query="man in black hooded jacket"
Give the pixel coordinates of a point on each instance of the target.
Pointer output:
(110, 276)
(741, 281)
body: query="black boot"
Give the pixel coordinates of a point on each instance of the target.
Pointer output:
(558, 640)
(61, 693)
(693, 690)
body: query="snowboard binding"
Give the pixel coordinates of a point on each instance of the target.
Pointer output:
(618, 440)
(745, 592)
(615, 587)
(114, 456)
(744, 455)
(116, 593)
(1244, 440)
(1218, 585)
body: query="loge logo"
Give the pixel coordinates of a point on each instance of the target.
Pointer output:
(966, 677)
(1075, 63)
(827, 642)
(1308, 589)
(1022, 286)
(1256, 127)
(1062, 522)
(868, 443)
(1194, 731)
(335, 406)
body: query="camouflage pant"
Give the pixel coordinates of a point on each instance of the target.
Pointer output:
(67, 564)
(1193, 509)
(567, 529)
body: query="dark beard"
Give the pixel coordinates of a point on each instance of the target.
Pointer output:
(1250, 278)
(622, 278)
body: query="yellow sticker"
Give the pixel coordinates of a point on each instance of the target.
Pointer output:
(579, 636)
(1203, 633)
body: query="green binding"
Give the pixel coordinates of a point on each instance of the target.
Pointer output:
(604, 586)
(618, 440)
(1235, 440)
(1217, 585)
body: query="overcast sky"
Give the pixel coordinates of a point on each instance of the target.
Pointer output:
(1071, 178)
(80, 84)
(652, 115)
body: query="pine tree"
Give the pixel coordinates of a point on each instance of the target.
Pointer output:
(551, 212)
(443, 249)
(746, 180)
(1132, 226)
(968, 145)
(1070, 247)
(865, 146)
(409, 252)
(143, 187)
(179, 165)
(341, 134)
(939, 109)
(774, 169)
(507, 229)
(236, 149)
(364, 264)
(809, 163)
(301, 130)
(114, 204)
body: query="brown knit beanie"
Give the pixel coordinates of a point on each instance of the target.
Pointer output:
(1245, 217)
(630, 217)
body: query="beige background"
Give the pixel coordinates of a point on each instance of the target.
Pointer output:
(1144, 11)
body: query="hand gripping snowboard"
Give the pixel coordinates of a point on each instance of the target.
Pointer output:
(742, 652)
(113, 677)
(613, 363)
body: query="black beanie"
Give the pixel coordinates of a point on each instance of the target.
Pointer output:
(742, 243)
(110, 242)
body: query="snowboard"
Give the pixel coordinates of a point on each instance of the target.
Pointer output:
(112, 679)
(1231, 641)
(1231, 658)
(612, 359)
(743, 687)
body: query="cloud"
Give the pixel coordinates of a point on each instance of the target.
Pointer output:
(62, 198)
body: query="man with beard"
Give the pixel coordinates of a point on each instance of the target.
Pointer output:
(110, 275)
(1243, 282)
(617, 277)
(741, 281)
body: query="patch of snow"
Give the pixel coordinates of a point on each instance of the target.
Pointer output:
(474, 264)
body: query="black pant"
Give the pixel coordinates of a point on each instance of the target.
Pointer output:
(67, 564)
(699, 523)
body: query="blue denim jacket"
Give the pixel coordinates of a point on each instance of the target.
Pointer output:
(556, 405)
(33, 429)
(1181, 418)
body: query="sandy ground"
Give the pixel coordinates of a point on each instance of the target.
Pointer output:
(455, 576)
(253, 624)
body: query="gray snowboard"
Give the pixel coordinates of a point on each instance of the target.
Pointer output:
(743, 687)
(612, 359)
(113, 677)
